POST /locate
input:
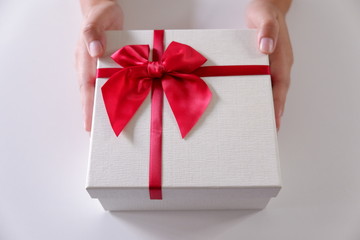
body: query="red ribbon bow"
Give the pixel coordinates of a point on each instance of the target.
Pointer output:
(187, 94)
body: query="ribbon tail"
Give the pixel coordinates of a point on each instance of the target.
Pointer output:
(156, 141)
(123, 94)
(188, 96)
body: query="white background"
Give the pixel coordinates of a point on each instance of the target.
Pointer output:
(44, 149)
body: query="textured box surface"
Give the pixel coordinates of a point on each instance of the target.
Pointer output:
(229, 160)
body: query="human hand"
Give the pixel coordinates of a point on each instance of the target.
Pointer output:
(268, 17)
(99, 16)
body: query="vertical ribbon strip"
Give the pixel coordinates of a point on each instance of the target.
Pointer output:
(157, 99)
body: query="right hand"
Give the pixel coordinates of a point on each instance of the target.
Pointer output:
(99, 16)
(268, 17)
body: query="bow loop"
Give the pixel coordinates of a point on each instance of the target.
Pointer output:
(182, 58)
(132, 55)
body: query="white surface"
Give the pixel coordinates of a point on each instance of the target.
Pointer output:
(44, 150)
(233, 147)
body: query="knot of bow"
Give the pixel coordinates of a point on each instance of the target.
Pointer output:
(125, 91)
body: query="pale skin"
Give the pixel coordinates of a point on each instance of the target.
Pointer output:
(267, 16)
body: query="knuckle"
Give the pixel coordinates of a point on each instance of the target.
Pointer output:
(89, 29)
(282, 82)
(82, 85)
(279, 98)
(286, 84)
(270, 23)
(86, 85)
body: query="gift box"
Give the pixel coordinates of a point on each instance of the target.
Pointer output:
(210, 143)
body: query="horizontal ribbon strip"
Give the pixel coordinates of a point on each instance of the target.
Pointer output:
(208, 71)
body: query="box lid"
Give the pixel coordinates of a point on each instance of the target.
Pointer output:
(234, 145)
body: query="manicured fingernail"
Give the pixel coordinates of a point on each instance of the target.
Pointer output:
(95, 48)
(266, 45)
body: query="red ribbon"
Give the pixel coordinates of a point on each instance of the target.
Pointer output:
(175, 72)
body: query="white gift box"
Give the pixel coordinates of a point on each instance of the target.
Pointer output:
(228, 161)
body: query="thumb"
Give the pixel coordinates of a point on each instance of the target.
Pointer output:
(268, 32)
(264, 18)
(94, 36)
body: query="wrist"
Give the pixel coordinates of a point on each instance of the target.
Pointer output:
(281, 6)
(87, 5)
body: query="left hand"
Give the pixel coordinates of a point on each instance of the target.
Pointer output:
(99, 16)
(268, 17)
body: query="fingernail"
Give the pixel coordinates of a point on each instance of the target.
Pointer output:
(95, 48)
(266, 45)
(281, 112)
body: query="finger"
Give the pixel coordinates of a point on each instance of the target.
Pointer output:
(264, 17)
(86, 67)
(107, 16)
(279, 93)
(93, 35)
(87, 92)
(280, 76)
(268, 35)
(94, 27)
(281, 62)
